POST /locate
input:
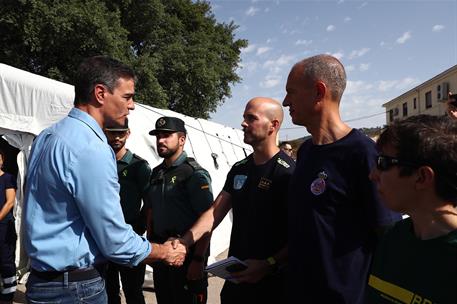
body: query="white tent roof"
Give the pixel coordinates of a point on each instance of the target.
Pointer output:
(29, 102)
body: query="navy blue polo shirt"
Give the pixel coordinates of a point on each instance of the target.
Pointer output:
(334, 210)
(7, 181)
(259, 204)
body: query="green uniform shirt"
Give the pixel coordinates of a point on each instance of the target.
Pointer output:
(134, 173)
(177, 196)
(409, 270)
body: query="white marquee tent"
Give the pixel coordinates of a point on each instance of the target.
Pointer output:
(29, 103)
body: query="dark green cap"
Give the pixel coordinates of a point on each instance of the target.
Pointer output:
(168, 124)
(125, 127)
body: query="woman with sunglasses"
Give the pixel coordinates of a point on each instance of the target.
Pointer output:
(416, 174)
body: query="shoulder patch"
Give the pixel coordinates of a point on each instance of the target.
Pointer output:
(283, 163)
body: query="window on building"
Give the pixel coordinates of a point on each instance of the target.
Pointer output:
(415, 103)
(405, 109)
(428, 100)
(391, 115)
(438, 92)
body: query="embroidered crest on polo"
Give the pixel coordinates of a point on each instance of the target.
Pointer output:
(318, 185)
(238, 181)
(265, 183)
(161, 122)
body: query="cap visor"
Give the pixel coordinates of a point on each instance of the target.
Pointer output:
(157, 131)
(116, 129)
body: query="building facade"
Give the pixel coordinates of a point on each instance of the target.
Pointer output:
(429, 97)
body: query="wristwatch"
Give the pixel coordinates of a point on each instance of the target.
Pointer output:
(273, 264)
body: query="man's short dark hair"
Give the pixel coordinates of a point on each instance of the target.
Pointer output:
(427, 140)
(99, 70)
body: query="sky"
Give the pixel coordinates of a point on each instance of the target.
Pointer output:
(387, 47)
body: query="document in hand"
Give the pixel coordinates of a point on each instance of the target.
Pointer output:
(225, 267)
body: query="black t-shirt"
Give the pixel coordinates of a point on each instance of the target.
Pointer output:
(259, 205)
(333, 211)
(7, 181)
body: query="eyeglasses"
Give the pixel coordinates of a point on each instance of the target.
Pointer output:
(384, 163)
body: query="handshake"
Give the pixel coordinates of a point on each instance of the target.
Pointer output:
(172, 252)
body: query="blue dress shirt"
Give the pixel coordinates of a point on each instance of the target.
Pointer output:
(73, 218)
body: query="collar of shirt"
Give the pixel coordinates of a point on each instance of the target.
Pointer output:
(127, 158)
(181, 158)
(89, 121)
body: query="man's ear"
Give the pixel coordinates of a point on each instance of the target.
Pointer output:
(99, 93)
(274, 125)
(425, 178)
(182, 140)
(321, 88)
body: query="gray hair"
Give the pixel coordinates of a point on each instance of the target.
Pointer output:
(328, 69)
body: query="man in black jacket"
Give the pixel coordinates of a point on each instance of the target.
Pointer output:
(180, 190)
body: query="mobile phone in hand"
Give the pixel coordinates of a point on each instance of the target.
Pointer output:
(236, 267)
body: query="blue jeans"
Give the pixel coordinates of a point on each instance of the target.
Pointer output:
(85, 292)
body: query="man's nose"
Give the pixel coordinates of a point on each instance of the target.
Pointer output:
(131, 104)
(374, 175)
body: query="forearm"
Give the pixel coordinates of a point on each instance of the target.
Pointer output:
(158, 253)
(202, 228)
(6, 209)
(201, 247)
(210, 219)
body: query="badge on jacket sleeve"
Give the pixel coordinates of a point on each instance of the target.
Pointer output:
(318, 185)
(238, 181)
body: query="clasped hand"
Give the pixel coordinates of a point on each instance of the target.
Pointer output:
(175, 253)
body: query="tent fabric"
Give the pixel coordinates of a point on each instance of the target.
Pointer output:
(30, 103)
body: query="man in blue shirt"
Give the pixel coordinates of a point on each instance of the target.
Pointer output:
(73, 221)
(334, 210)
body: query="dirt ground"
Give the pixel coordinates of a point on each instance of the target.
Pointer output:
(214, 288)
(215, 285)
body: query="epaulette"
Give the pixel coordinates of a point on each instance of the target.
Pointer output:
(194, 164)
(139, 158)
(283, 163)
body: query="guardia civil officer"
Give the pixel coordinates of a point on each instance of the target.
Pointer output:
(133, 174)
(180, 190)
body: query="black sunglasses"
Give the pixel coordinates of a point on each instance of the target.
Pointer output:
(384, 163)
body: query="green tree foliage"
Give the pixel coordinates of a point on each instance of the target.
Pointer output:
(185, 60)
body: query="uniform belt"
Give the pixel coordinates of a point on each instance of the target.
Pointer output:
(74, 275)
